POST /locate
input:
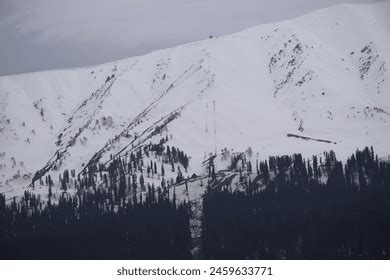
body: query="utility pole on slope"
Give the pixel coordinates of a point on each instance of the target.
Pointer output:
(215, 128)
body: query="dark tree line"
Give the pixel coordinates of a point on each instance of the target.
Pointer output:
(87, 227)
(309, 209)
(113, 214)
(286, 207)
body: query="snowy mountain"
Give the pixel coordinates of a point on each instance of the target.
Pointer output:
(314, 83)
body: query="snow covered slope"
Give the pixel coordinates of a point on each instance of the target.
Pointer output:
(324, 76)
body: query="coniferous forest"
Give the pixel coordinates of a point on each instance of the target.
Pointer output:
(309, 210)
(114, 214)
(88, 228)
(286, 207)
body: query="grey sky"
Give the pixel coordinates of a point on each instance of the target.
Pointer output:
(46, 34)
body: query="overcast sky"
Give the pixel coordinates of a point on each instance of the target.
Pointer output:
(47, 34)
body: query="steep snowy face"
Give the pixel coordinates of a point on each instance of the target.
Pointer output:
(323, 76)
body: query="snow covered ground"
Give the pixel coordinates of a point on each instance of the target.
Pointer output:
(324, 76)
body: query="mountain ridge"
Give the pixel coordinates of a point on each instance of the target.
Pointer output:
(251, 88)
